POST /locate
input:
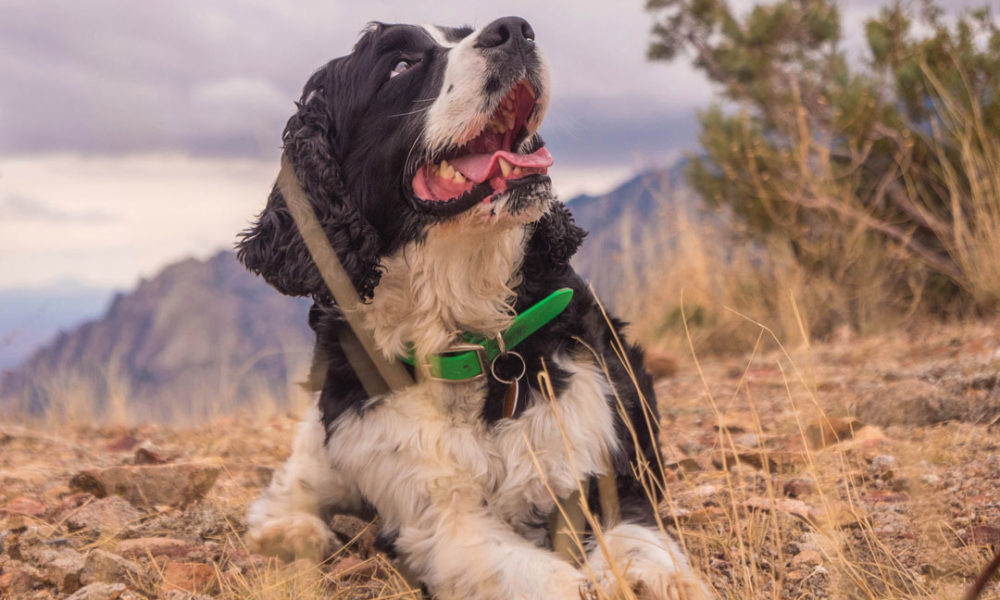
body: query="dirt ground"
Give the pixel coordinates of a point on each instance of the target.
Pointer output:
(865, 468)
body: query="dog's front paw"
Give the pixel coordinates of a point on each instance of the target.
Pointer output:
(651, 564)
(649, 582)
(672, 586)
(293, 537)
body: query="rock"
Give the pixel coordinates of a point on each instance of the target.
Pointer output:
(182, 595)
(99, 591)
(931, 480)
(983, 535)
(699, 494)
(122, 444)
(798, 487)
(188, 576)
(773, 460)
(806, 558)
(24, 505)
(176, 484)
(351, 529)
(153, 546)
(797, 508)
(699, 516)
(349, 566)
(829, 430)
(747, 440)
(103, 566)
(20, 579)
(148, 456)
(837, 514)
(686, 464)
(885, 496)
(62, 568)
(882, 465)
(108, 515)
(660, 365)
(739, 422)
(348, 526)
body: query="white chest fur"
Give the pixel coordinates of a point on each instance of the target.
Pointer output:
(426, 449)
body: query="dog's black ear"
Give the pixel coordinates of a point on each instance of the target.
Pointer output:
(556, 237)
(272, 246)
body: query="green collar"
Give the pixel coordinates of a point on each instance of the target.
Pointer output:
(475, 357)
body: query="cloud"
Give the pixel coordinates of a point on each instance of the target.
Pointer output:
(219, 78)
(16, 207)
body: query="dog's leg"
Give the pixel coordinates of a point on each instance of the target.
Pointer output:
(469, 553)
(653, 564)
(287, 520)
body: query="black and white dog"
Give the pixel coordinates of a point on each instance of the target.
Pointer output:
(420, 155)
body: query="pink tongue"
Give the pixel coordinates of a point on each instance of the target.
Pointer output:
(480, 167)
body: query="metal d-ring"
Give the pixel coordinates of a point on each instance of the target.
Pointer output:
(504, 353)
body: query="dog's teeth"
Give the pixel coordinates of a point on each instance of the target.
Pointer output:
(447, 171)
(504, 167)
(517, 172)
(510, 121)
(459, 177)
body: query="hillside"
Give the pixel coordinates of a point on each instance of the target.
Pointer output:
(198, 337)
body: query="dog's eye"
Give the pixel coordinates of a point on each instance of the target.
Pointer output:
(400, 68)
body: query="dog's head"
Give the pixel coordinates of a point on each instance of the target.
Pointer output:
(418, 126)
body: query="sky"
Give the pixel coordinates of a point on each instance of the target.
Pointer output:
(133, 134)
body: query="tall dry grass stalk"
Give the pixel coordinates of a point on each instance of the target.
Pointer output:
(969, 170)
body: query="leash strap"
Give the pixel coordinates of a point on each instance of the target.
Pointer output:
(472, 359)
(377, 375)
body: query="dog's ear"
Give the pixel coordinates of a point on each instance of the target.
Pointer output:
(556, 237)
(272, 247)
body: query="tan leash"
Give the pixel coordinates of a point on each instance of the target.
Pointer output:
(379, 375)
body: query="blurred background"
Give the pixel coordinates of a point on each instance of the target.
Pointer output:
(825, 168)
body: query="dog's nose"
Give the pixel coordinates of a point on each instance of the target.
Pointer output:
(508, 33)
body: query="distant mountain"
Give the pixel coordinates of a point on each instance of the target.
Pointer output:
(30, 317)
(635, 226)
(198, 337)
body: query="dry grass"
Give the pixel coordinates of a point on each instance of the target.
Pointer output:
(736, 432)
(969, 171)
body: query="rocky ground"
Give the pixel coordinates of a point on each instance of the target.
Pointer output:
(863, 469)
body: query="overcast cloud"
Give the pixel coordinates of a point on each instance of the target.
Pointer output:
(218, 78)
(123, 123)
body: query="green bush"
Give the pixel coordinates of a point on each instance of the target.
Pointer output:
(881, 177)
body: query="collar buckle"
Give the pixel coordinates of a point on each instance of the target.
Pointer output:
(481, 356)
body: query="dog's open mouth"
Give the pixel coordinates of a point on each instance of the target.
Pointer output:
(489, 163)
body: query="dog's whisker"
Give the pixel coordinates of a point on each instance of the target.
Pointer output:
(419, 110)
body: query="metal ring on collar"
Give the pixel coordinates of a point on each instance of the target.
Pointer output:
(493, 367)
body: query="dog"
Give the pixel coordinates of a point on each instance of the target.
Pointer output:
(420, 156)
